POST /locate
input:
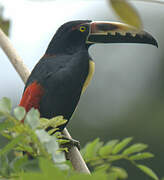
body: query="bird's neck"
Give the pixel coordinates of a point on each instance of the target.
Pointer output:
(65, 45)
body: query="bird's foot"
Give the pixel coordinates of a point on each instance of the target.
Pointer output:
(68, 142)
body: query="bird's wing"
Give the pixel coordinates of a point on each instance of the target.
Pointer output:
(31, 96)
(55, 84)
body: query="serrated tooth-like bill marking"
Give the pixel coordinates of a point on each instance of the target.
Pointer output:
(133, 34)
(122, 33)
(113, 33)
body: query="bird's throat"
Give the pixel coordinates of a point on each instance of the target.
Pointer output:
(90, 75)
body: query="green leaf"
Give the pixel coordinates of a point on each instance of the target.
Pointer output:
(148, 171)
(2, 115)
(121, 173)
(49, 170)
(11, 145)
(102, 168)
(140, 156)
(94, 176)
(4, 165)
(53, 122)
(97, 176)
(19, 113)
(43, 123)
(57, 121)
(112, 142)
(19, 162)
(6, 135)
(32, 176)
(127, 13)
(32, 118)
(5, 105)
(115, 157)
(91, 148)
(4, 125)
(121, 145)
(32, 165)
(107, 149)
(135, 148)
(25, 148)
(112, 176)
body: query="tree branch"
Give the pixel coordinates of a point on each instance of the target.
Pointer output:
(74, 155)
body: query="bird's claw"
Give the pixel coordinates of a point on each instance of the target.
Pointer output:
(71, 142)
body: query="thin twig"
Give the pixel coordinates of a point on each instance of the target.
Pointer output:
(74, 155)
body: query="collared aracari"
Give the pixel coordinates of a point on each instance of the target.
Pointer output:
(64, 72)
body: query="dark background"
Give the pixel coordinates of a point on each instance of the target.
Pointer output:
(126, 95)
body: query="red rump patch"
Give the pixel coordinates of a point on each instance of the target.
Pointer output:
(32, 96)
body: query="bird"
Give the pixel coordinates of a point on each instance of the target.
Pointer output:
(62, 75)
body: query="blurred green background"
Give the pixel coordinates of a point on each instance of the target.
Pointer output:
(126, 95)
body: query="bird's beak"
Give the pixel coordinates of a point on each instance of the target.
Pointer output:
(115, 32)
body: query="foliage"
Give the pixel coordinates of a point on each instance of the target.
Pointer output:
(29, 137)
(101, 157)
(126, 12)
(43, 159)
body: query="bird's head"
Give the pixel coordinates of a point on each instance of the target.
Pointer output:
(75, 35)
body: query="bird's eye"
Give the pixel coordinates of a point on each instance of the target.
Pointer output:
(82, 28)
